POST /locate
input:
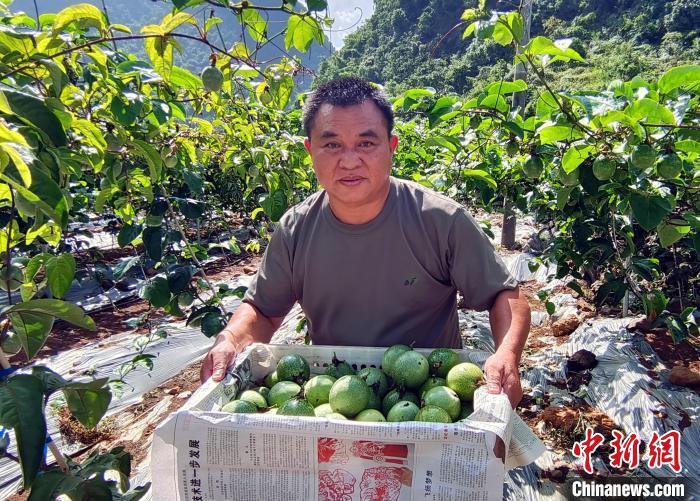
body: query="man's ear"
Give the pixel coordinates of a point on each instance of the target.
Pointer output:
(393, 143)
(307, 145)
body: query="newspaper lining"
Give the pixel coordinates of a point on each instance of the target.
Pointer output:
(202, 455)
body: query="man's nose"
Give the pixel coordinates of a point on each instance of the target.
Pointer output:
(350, 159)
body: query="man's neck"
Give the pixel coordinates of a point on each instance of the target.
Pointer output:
(350, 214)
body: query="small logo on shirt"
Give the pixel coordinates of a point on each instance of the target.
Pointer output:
(410, 281)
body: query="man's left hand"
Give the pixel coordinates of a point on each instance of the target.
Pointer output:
(501, 373)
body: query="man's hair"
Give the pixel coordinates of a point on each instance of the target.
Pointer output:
(346, 91)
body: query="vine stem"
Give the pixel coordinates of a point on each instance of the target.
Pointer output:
(192, 253)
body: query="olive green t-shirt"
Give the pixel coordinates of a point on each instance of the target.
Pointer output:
(391, 280)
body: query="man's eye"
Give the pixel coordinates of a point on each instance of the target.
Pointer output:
(330, 146)
(366, 144)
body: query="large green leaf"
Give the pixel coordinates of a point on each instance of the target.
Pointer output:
(275, 205)
(124, 266)
(51, 484)
(153, 241)
(649, 211)
(84, 14)
(22, 409)
(128, 234)
(575, 156)
(555, 133)
(507, 87)
(255, 24)
(301, 32)
(54, 307)
(33, 329)
(180, 77)
(152, 157)
(33, 111)
(650, 110)
(88, 402)
(156, 291)
(179, 278)
(671, 232)
(43, 191)
(687, 76)
(60, 271)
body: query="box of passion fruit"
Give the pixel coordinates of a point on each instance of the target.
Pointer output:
(203, 452)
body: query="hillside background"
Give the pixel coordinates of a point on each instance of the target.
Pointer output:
(398, 45)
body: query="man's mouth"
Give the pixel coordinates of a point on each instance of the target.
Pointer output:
(351, 180)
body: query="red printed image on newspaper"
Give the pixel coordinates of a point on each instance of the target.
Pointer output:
(364, 470)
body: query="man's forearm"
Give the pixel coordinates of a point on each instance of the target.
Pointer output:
(510, 321)
(248, 325)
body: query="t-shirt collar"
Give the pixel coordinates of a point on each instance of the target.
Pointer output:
(357, 229)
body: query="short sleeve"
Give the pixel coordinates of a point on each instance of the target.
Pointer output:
(475, 268)
(271, 289)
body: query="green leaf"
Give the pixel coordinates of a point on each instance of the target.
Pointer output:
(60, 271)
(501, 34)
(152, 157)
(179, 278)
(670, 233)
(506, 87)
(160, 52)
(128, 234)
(51, 484)
(181, 77)
(275, 205)
(480, 174)
(693, 219)
(213, 322)
(33, 111)
(315, 5)
(156, 291)
(127, 112)
(687, 76)
(563, 197)
(651, 111)
(301, 32)
(575, 156)
(544, 46)
(153, 241)
(255, 24)
(649, 211)
(124, 266)
(85, 14)
(687, 145)
(554, 133)
(54, 307)
(33, 329)
(34, 265)
(43, 191)
(88, 403)
(22, 409)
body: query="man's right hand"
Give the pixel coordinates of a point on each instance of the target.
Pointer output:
(218, 359)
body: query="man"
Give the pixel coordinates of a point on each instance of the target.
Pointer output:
(374, 260)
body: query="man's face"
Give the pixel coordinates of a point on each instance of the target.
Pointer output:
(351, 152)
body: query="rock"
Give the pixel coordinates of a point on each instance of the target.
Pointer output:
(565, 326)
(581, 361)
(185, 395)
(686, 376)
(172, 391)
(249, 270)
